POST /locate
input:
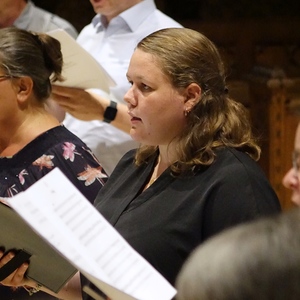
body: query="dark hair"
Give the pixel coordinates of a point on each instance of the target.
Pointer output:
(37, 55)
(187, 56)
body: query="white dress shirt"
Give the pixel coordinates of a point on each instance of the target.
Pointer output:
(112, 47)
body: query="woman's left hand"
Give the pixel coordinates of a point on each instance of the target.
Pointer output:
(16, 278)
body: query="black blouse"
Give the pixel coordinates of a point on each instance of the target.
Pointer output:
(168, 220)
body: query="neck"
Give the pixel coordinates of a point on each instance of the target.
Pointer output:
(167, 155)
(17, 137)
(159, 168)
(121, 7)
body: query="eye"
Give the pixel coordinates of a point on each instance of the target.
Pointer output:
(145, 87)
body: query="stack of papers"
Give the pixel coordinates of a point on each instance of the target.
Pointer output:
(80, 69)
(67, 222)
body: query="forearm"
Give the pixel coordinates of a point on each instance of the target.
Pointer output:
(87, 106)
(122, 120)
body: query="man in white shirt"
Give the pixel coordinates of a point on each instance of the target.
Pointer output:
(110, 38)
(25, 15)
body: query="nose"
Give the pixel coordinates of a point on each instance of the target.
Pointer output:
(129, 98)
(290, 179)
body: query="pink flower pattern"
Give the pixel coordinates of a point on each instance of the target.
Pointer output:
(44, 161)
(86, 169)
(91, 174)
(12, 191)
(69, 151)
(21, 176)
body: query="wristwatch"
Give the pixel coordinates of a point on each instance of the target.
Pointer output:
(110, 112)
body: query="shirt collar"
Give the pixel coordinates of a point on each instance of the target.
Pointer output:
(133, 16)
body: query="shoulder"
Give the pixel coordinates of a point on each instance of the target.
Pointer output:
(61, 139)
(154, 20)
(231, 160)
(236, 177)
(61, 133)
(164, 20)
(153, 16)
(234, 173)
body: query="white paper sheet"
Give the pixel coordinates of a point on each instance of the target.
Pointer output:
(80, 69)
(57, 211)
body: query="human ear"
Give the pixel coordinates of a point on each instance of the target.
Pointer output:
(192, 96)
(24, 86)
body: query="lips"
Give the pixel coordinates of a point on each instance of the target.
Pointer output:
(135, 119)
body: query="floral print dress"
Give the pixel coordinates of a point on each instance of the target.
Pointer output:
(57, 147)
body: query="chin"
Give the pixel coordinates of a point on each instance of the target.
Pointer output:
(134, 136)
(296, 199)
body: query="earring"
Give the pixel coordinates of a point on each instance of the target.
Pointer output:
(186, 112)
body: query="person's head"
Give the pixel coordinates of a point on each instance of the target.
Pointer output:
(259, 260)
(10, 10)
(291, 180)
(112, 8)
(28, 63)
(179, 94)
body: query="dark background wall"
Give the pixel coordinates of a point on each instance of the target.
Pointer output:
(77, 12)
(80, 12)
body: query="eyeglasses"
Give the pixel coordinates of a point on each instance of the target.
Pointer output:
(4, 77)
(296, 162)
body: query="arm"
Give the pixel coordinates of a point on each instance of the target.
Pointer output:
(71, 291)
(88, 106)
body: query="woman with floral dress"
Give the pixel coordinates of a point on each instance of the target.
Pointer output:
(32, 141)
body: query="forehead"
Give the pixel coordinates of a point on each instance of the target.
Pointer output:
(143, 63)
(139, 56)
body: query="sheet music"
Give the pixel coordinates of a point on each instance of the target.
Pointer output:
(80, 69)
(57, 211)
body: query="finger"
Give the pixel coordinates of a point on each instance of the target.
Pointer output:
(18, 275)
(16, 278)
(6, 258)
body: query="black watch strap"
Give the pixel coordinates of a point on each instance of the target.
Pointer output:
(110, 112)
